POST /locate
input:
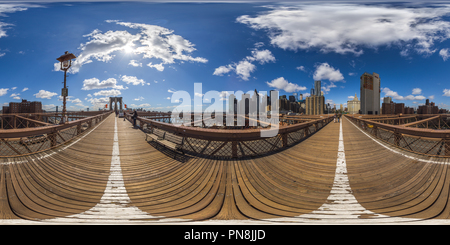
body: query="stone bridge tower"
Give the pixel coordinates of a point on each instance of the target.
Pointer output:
(115, 100)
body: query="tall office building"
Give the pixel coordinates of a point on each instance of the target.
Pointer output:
(317, 88)
(370, 93)
(314, 105)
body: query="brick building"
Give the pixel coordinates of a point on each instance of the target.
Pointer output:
(23, 107)
(428, 108)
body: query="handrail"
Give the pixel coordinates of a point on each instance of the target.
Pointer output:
(421, 132)
(236, 143)
(424, 141)
(226, 134)
(29, 132)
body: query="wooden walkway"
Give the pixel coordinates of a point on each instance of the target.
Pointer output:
(113, 175)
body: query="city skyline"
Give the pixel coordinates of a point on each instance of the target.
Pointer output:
(146, 51)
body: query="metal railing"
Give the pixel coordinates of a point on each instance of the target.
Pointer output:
(237, 143)
(45, 136)
(406, 134)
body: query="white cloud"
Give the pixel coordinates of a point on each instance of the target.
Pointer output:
(10, 8)
(223, 70)
(48, 107)
(94, 83)
(158, 67)
(446, 92)
(145, 106)
(282, 84)
(135, 63)
(76, 101)
(45, 94)
(171, 90)
(301, 68)
(112, 92)
(99, 102)
(325, 72)
(133, 80)
(16, 98)
(416, 91)
(431, 97)
(101, 47)
(444, 53)
(13, 88)
(396, 96)
(155, 42)
(245, 66)
(328, 87)
(13, 95)
(262, 56)
(347, 28)
(140, 98)
(3, 91)
(24, 89)
(259, 44)
(351, 97)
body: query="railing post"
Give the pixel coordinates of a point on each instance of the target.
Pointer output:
(284, 139)
(306, 132)
(447, 145)
(397, 137)
(52, 137)
(234, 149)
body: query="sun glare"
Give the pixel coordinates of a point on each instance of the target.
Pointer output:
(128, 49)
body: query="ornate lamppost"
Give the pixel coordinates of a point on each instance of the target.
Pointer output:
(66, 62)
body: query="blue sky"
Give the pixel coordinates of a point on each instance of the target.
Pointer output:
(145, 51)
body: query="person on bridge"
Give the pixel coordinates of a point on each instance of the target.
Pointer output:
(134, 118)
(334, 118)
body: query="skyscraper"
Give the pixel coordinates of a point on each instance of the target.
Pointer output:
(313, 105)
(317, 88)
(370, 93)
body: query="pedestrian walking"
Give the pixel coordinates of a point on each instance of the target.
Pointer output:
(134, 118)
(334, 118)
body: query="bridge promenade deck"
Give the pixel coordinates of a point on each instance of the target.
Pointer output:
(113, 175)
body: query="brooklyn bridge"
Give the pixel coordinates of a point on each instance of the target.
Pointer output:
(99, 168)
